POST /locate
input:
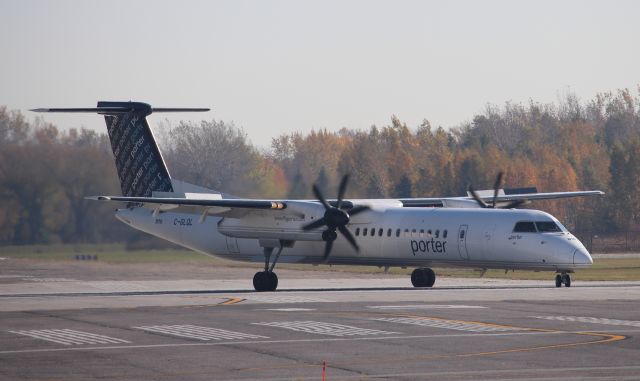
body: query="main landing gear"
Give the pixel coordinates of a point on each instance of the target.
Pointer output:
(267, 280)
(423, 277)
(563, 278)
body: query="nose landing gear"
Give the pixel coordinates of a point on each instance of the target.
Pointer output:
(563, 278)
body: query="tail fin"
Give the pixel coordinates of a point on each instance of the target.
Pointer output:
(139, 163)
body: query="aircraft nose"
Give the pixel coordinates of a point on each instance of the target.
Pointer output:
(582, 257)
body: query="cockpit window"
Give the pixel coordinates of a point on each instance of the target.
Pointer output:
(548, 227)
(525, 227)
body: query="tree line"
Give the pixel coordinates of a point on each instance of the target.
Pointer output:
(46, 171)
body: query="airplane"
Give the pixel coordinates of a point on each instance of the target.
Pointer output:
(480, 230)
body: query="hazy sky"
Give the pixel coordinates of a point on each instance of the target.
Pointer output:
(279, 66)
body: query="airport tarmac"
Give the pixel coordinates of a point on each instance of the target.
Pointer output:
(67, 326)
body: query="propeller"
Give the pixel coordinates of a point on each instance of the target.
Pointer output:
(335, 218)
(496, 189)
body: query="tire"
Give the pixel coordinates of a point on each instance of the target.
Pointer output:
(259, 281)
(566, 279)
(424, 277)
(431, 277)
(417, 278)
(558, 280)
(273, 281)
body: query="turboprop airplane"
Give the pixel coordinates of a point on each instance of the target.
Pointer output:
(477, 231)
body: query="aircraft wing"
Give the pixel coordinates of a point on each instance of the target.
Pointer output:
(502, 198)
(239, 207)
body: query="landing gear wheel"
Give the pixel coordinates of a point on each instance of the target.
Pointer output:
(273, 281)
(566, 279)
(558, 280)
(423, 277)
(265, 281)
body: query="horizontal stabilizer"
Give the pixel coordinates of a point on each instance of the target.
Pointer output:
(206, 202)
(119, 109)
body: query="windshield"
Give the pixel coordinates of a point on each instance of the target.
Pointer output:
(548, 227)
(524, 227)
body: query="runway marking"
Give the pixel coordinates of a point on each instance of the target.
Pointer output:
(32, 279)
(601, 339)
(593, 320)
(199, 333)
(289, 309)
(424, 307)
(322, 328)
(457, 325)
(284, 299)
(69, 336)
(231, 301)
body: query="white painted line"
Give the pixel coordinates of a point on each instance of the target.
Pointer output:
(592, 320)
(425, 307)
(69, 337)
(289, 309)
(283, 299)
(199, 333)
(321, 328)
(450, 324)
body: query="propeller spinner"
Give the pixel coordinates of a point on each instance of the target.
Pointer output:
(335, 219)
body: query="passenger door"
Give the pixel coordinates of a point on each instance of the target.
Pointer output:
(462, 241)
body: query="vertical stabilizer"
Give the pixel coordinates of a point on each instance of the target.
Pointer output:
(140, 165)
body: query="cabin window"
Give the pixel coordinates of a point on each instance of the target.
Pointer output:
(462, 234)
(421, 232)
(413, 232)
(357, 231)
(444, 233)
(547, 227)
(429, 233)
(373, 232)
(380, 232)
(437, 233)
(364, 232)
(406, 232)
(397, 232)
(389, 232)
(525, 227)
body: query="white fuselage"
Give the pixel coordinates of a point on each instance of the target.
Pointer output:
(412, 237)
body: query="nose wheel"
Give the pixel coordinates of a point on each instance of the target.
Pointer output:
(563, 278)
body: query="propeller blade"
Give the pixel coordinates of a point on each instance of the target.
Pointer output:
(315, 224)
(347, 234)
(496, 188)
(342, 189)
(358, 209)
(320, 197)
(477, 198)
(327, 250)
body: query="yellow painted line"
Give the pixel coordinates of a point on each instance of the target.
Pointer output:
(231, 301)
(604, 338)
